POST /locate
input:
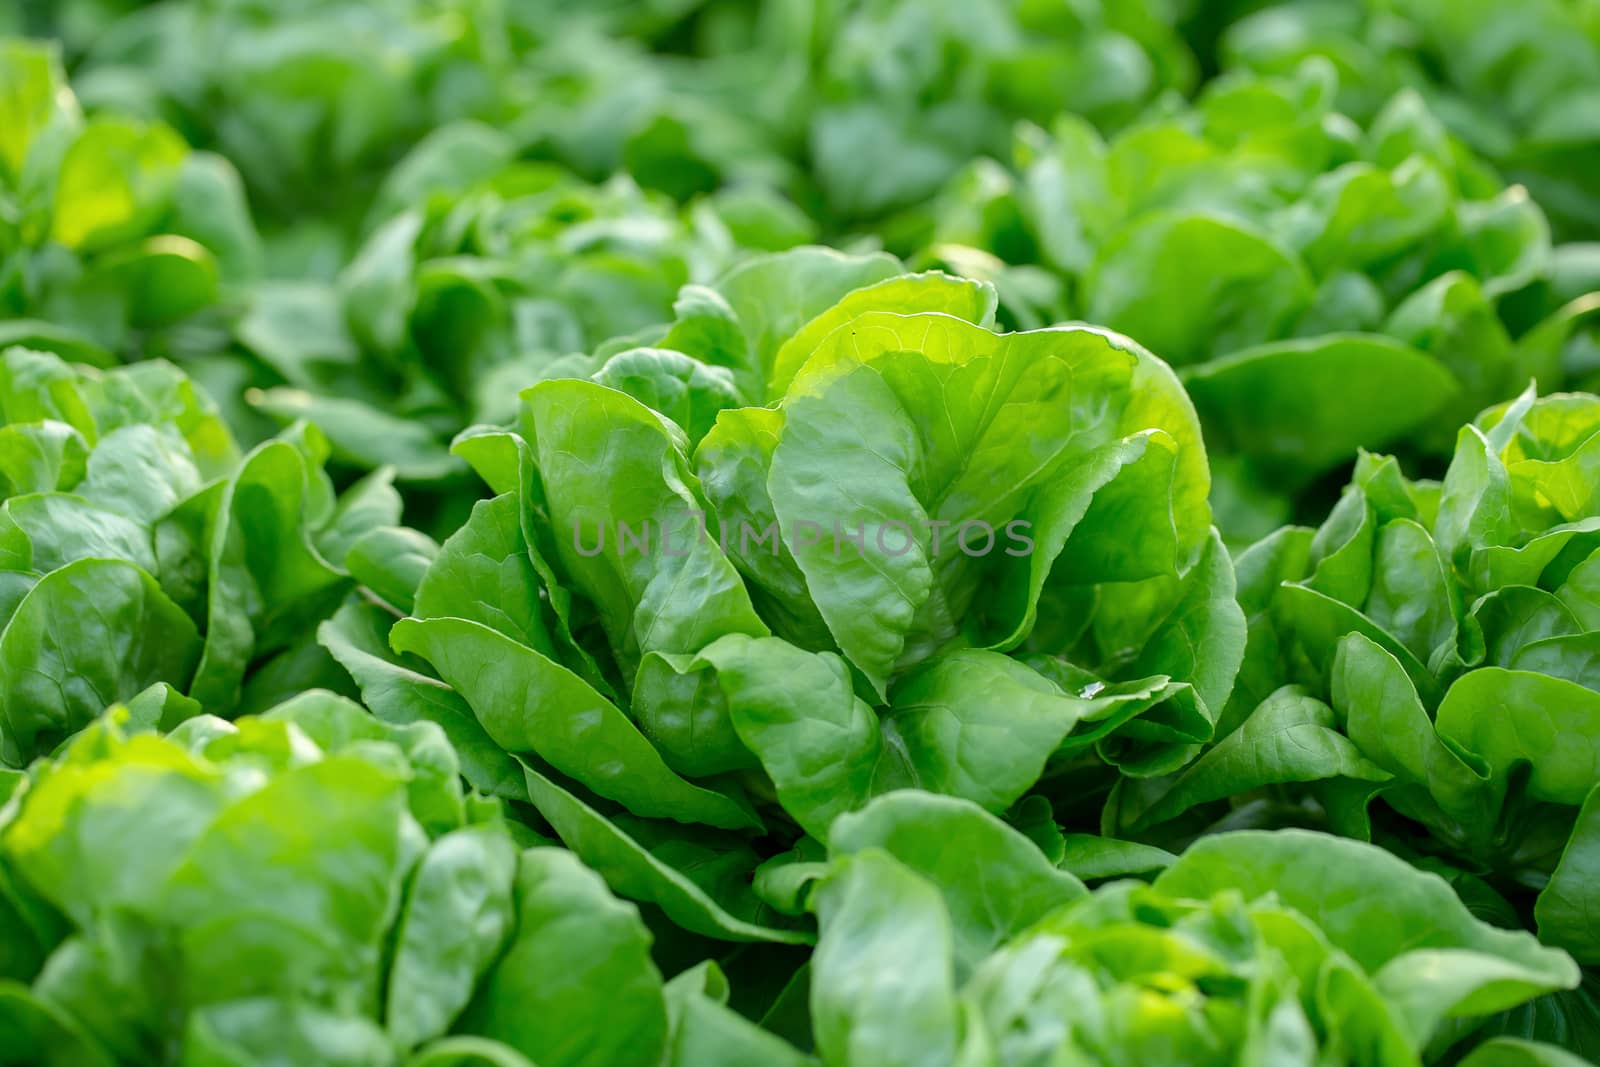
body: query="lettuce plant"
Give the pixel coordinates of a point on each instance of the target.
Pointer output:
(482, 275)
(1440, 638)
(948, 938)
(317, 101)
(312, 100)
(137, 546)
(864, 108)
(755, 691)
(904, 93)
(720, 113)
(1364, 286)
(309, 885)
(1519, 85)
(116, 241)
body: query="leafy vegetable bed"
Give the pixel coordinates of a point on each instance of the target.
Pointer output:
(706, 533)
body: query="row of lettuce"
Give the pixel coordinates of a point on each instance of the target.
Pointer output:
(313, 886)
(860, 110)
(488, 579)
(915, 759)
(1350, 251)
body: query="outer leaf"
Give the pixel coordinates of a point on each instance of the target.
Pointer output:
(632, 871)
(1513, 717)
(1291, 737)
(707, 1033)
(979, 726)
(358, 637)
(994, 881)
(456, 918)
(573, 938)
(882, 985)
(795, 710)
(530, 704)
(1566, 910)
(85, 636)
